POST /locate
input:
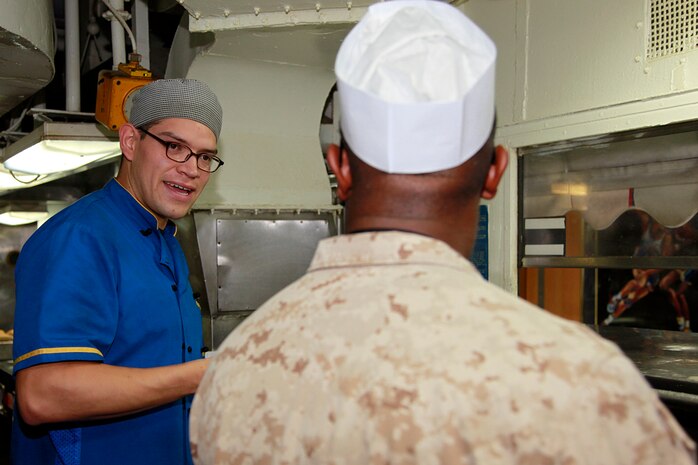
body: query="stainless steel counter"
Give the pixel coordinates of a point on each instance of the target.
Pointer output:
(669, 359)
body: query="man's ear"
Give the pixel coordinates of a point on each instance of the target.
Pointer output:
(128, 140)
(494, 175)
(338, 159)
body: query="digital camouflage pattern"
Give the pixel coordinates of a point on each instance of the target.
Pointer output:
(393, 350)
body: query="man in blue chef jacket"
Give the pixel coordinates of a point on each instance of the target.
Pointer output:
(108, 336)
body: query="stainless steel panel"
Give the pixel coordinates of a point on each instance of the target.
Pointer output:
(205, 224)
(245, 256)
(257, 258)
(611, 262)
(224, 324)
(187, 237)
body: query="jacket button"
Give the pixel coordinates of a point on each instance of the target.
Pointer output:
(174, 287)
(189, 349)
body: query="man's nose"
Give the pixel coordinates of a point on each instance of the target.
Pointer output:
(190, 167)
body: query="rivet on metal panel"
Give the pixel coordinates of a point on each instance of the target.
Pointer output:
(638, 25)
(287, 9)
(197, 14)
(647, 70)
(638, 59)
(348, 5)
(682, 61)
(226, 12)
(317, 7)
(256, 11)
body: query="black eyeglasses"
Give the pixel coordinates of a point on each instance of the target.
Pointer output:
(180, 153)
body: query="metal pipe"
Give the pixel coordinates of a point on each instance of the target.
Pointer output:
(35, 110)
(141, 25)
(72, 55)
(118, 38)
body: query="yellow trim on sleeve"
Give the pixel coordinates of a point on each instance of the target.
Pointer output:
(59, 350)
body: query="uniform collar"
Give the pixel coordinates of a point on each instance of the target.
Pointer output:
(385, 248)
(132, 209)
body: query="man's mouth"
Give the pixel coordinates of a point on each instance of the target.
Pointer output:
(184, 190)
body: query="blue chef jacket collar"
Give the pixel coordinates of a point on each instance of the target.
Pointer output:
(135, 211)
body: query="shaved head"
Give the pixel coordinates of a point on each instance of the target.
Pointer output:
(442, 204)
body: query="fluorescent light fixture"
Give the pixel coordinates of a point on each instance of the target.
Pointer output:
(576, 189)
(21, 218)
(17, 215)
(59, 147)
(18, 181)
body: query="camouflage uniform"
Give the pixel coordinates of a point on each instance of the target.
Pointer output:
(393, 350)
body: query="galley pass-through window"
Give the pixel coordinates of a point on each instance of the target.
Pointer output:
(610, 230)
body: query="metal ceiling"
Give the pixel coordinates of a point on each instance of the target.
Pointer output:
(211, 15)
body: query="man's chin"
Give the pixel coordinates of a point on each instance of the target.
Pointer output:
(180, 214)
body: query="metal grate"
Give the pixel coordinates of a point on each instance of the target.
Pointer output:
(673, 27)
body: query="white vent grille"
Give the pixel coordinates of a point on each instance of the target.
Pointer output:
(673, 27)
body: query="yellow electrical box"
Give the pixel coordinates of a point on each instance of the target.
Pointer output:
(115, 89)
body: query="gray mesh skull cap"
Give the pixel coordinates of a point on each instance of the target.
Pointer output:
(177, 98)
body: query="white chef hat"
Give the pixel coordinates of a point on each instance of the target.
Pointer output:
(416, 87)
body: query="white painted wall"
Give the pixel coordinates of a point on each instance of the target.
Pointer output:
(499, 20)
(270, 137)
(272, 84)
(569, 69)
(565, 69)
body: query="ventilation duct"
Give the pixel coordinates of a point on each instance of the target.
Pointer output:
(673, 28)
(26, 49)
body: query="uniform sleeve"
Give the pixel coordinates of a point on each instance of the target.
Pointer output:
(637, 428)
(66, 307)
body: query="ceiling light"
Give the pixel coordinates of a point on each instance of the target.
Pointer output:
(574, 189)
(59, 147)
(18, 181)
(17, 215)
